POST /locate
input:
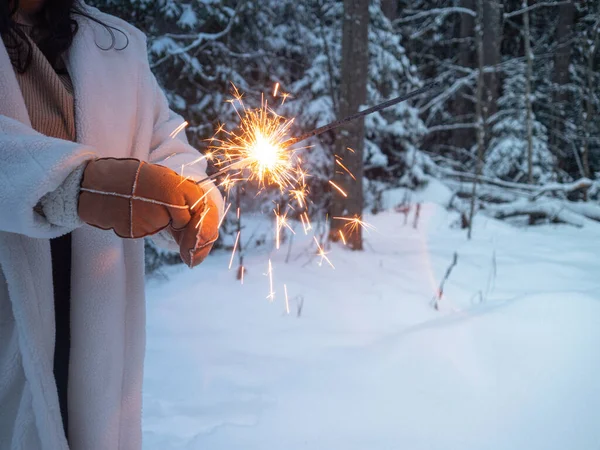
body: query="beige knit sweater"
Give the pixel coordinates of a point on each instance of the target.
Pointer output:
(48, 94)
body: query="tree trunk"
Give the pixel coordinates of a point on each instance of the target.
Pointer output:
(390, 9)
(492, 36)
(528, 96)
(560, 77)
(463, 138)
(353, 94)
(479, 38)
(562, 58)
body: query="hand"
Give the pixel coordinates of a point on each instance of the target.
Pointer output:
(197, 238)
(136, 199)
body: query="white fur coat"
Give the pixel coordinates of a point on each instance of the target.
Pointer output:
(120, 112)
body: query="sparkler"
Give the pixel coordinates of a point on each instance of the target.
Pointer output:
(262, 146)
(260, 150)
(258, 147)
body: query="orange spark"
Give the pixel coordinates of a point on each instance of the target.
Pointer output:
(338, 188)
(237, 239)
(228, 182)
(281, 221)
(300, 195)
(305, 223)
(354, 223)
(322, 254)
(224, 215)
(275, 90)
(178, 130)
(287, 302)
(202, 198)
(338, 162)
(271, 295)
(202, 217)
(277, 231)
(183, 180)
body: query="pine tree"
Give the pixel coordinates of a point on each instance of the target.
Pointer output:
(507, 156)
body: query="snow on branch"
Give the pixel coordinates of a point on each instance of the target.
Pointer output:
(503, 199)
(534, 6)
(583, 184)
(435, 11)
(557, 211)
(440, 99)
(201, 38)
(532, 192)
(450, 127)
(466, 176)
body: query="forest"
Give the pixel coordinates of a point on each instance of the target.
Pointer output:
(469, 319)
(510, 124)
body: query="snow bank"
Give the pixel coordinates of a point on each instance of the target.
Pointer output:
(510, 361)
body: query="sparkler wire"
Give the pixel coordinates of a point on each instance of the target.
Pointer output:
(338, 123)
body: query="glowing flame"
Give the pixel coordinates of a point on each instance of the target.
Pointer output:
(266, 156)
(257, 148)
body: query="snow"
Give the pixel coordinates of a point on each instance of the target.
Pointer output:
(188, 19)
(509, 362)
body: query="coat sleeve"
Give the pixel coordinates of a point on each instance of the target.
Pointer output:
(175, 152)
(32, 165)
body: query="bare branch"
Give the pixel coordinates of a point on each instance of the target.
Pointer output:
(440, 292)
(441, 11)
(583, 184)
(450, 127)
(201, 38)
(534, 6)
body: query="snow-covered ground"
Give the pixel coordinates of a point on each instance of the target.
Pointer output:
(511, 360)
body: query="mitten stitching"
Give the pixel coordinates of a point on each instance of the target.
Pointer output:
(135, 180)
(134, 197)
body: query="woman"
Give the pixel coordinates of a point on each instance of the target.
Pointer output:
(85, 150)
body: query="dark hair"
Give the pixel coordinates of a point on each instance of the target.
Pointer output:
(55, 31)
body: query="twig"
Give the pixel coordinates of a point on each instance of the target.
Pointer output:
(440, 293)
(417, 214)
(299, 305)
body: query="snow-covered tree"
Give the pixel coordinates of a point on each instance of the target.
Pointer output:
(507, 155)
(394, 132)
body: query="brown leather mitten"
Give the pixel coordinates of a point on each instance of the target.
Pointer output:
(197, 239)
(136, 199)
